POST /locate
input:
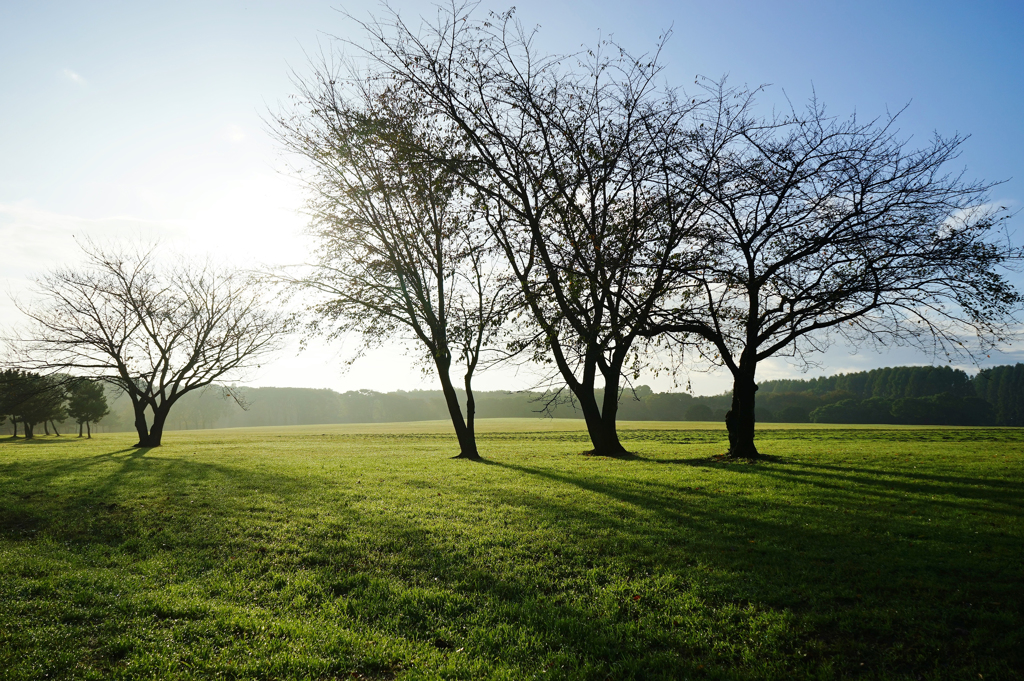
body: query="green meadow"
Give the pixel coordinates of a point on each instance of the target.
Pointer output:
(366, 552)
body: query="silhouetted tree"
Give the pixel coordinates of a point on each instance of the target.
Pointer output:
(569, 157)
(401, 251)
(818, 229)
(153, 331)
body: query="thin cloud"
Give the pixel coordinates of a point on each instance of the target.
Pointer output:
(74, 77)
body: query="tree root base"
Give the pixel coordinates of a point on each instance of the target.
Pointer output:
(623, 454)
(757, 458)
(468, 457)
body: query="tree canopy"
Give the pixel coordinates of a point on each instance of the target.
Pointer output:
(571, 159)
(820, 229)
(401, 248)
(155, 330)
(631, 213)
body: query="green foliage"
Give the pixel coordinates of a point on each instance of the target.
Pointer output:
(87, 401)
(1003, 387)
(31, 398)
(888, 382)
(865, 397)
(342, 553)
(943, 409)
(853, 410)
(699, 412)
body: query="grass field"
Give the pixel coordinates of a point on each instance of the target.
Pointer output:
(365, 552)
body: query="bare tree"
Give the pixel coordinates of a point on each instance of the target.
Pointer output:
(402, 251)
(568, 155)
(154, 332)
(817, 229)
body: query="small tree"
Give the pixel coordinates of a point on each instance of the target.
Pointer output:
(818, 229)
(87, 403)
(58, 407)
(155, 332)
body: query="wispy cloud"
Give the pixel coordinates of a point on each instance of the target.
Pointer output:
(74, 77)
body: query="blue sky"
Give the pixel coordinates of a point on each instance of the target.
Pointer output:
(144, 119)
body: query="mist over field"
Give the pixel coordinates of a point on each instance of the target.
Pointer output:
(929, 396)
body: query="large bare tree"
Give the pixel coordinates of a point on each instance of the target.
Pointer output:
(568, 156)
(402, 249)
(156, 331)
(817, 229)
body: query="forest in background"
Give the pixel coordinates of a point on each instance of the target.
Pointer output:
(896, 395)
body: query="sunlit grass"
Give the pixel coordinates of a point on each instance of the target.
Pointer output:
(519, 425)
(366, 552)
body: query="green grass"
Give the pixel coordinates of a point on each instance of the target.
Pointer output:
(365, 552)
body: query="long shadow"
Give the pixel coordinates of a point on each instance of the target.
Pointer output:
(816, 567)
(769, 462)
(978, 493)
(859, 546)
(876, 481)
(144, 505)
(72, 499)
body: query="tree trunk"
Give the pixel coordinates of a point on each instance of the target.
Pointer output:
(156, 431)
(470, 410)
(740, 419)
(46, 429)
(54, 424)
(80, 429)
(140, 424)
(149, 436)
(88, 429)
(600, 426)
(15, 424)
(28, 430)
(465, 435)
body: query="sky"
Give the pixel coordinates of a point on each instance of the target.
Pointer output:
(145, 120)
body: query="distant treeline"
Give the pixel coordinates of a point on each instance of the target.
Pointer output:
(903, 395)
(898, 395)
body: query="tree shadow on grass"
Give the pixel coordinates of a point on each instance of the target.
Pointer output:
(98, 498)
(843, 570)
(631, 577)
(878, 482)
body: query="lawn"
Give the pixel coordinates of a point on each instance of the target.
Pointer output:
(365, 552)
